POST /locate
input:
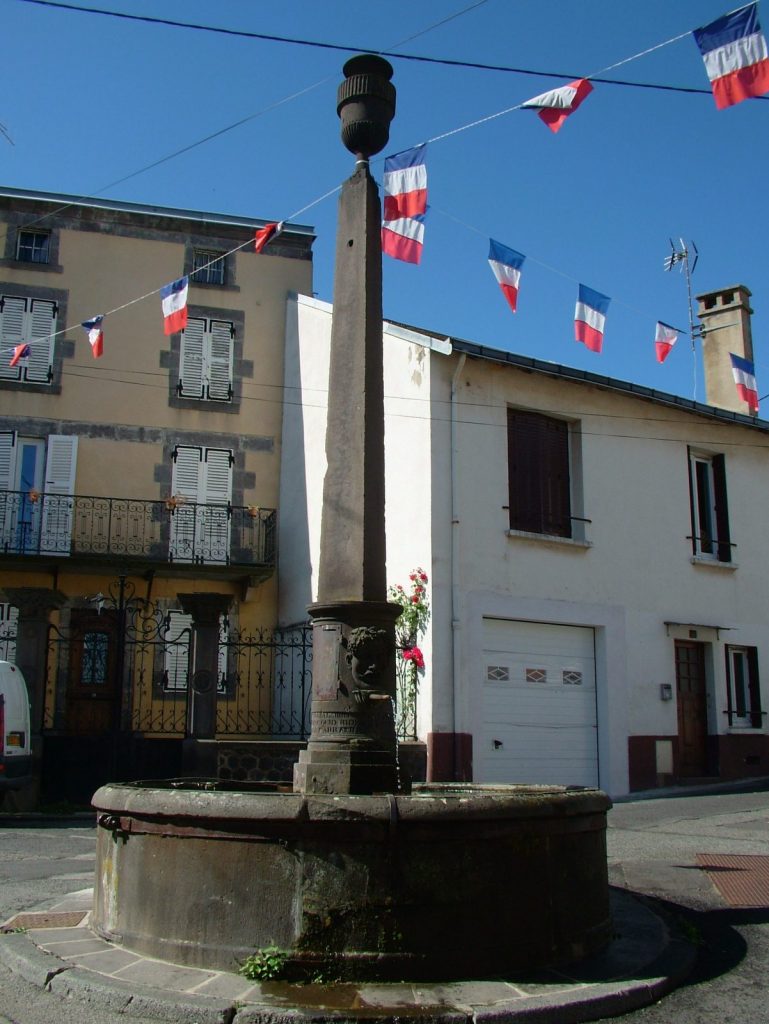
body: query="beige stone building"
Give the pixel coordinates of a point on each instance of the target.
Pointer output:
(139, 490)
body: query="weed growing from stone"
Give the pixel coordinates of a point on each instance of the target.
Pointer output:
(265, 964)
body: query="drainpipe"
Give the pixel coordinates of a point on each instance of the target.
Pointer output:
(455, 624)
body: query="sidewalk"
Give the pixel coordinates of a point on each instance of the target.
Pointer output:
(58, 951)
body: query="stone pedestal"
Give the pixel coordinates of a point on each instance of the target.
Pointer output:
(352, 746)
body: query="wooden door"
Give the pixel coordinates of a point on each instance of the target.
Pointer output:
(93, 694)
(692, 708)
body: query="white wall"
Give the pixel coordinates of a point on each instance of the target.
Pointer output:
(634, 572)
(631, 576)
(303, 460)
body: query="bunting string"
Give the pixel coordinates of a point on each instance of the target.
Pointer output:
(749, 78)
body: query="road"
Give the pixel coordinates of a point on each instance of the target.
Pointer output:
(38, 865)
(652, 845)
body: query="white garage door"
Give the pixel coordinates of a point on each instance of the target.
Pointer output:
(539, 707)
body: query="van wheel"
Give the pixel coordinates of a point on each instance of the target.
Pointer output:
(17, 801)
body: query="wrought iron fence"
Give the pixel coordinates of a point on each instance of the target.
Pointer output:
(129, 668)
(267, 688)
(125, 665)
(171, 530)
(406, 689)
(8, 626)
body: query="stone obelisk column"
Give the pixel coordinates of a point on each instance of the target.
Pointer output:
(352, 746)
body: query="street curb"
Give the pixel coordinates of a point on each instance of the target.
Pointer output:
(758, 784)
(648, 958)
(21, 955)
(118, 996)
(40, 819)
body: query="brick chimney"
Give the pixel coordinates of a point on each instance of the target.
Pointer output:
(725, 318)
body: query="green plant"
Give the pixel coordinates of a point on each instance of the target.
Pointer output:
(324, 976)
(410, 625)
(690, 931)
(265, 964)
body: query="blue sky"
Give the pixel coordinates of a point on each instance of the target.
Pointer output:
(89, 99)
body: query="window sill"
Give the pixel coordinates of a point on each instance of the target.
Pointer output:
(713, 563)
(208, 285)
(547, 538)
(204, 404)
(732, 730)
(50, 268)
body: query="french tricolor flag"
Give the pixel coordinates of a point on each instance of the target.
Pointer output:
(19, 352)
(664, 340)
(506, 266)
(174, 299)
(405, 204)
(590, 317)
(736, 56)
(555, 106)
(95, 334)
(266, 234)
(744, 373)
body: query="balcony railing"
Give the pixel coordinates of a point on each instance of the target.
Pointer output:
(171, 530)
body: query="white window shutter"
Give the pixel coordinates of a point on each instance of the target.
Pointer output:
(215, 532)
(192, 361)
(177, 646)
(9, 503)
(61, 464)
(7, 460)
(9, 624)
(185, 479)
(60, 469)
(42, 327)
(178, 642)
(218, 476)
(12, 323)
(220, 360)
(185, 484)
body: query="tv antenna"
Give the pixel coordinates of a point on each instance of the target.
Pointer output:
(685, 258)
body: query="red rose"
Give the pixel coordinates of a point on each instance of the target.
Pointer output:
(414, 654)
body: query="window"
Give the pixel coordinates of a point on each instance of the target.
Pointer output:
(9, 620)
(95, 660)
(709, 509)
(538, 468)
(742, 687)
(32, 321)
(177, 639)
(37, 484)
(207, 267)
(201, 508)
(205, 362)
(33, 247)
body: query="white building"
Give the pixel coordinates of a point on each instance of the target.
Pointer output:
(596, 554)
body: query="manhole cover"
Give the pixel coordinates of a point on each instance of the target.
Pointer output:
(45, 919)
(741, 878)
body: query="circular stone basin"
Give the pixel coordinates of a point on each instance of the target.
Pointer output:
(449, 881)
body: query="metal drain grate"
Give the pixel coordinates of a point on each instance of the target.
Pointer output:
(45, 919)
(741, 878)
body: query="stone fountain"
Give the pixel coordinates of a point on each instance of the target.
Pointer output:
(354, 874)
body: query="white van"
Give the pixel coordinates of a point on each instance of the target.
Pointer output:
(15, 740)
